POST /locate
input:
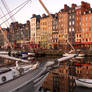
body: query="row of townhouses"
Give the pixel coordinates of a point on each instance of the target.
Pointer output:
(73, 24)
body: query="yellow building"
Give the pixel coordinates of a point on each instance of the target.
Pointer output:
(46, 31)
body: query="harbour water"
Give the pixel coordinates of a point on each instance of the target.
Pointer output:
(81, 89)
(66, 88)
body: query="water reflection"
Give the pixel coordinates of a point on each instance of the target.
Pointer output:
(63, 78)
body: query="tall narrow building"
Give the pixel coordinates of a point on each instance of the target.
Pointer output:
(46, 31)
(71, 24)
(86, 29)
(55, 31)
(34, 21)
(79, 10)
(63, 27)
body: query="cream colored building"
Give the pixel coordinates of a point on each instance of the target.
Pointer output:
(34, 25)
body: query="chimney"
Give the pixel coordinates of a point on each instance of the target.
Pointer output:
(43, 15)
(33, 15)
(66, 7)
(74, 5)
(85, 5)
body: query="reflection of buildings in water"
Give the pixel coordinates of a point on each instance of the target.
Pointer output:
(59, 81)
(84, 70)
(62, 80)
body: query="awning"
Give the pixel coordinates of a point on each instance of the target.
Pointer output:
(82, 43)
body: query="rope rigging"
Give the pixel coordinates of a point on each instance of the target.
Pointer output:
(7, 9)
(4, 17)
(21, 7)
(13, 9)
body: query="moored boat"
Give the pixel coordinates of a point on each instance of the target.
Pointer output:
(84, 82)
(7, 74)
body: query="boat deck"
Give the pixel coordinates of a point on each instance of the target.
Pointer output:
(19, 82)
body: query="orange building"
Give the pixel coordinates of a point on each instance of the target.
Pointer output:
(79, 10)
(55, 31)
(71, 24)
(81, 68)
(63, 26)
(86, 26)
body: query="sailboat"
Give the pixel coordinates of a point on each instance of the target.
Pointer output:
(7, 74)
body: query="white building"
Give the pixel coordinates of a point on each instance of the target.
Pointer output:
(33, 27)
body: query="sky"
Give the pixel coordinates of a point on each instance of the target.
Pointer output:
(35, 7)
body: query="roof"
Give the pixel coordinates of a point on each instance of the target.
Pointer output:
(36, 16)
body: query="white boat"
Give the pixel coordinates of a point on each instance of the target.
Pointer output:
(84, 82)
(79, 55)
(7, 74)
(32, 54)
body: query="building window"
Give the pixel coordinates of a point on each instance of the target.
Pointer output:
(70, 23)
(73, 10)
(73, 22)
(89, 28)
(77, 18)
(72, 29)
(86, 29)
(73, 16)
(69, 29)
(77, 12)
(83, 24)
(90, 19)
(80, 35)
(86, 18)
(69, 11)
(86, 40)
(83, 29)
(77, 35)
(69, 17)
(86, 24)
(80, 12)
(80, 23)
